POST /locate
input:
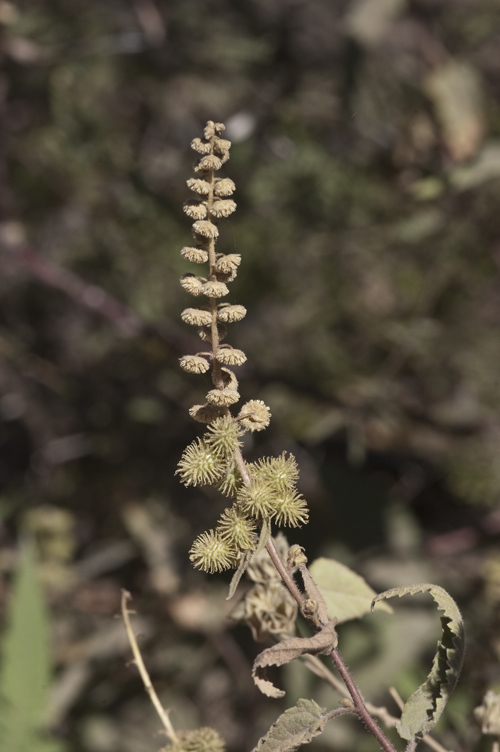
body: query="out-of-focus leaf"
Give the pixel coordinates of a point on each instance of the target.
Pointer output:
(296, 726)
(25, 676)
(346, 593)
(319, 644)
(485, 167)
(455, 90)
(423, 709)
(369, 20)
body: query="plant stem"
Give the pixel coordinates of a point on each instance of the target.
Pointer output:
(143, 672)
(358, 702)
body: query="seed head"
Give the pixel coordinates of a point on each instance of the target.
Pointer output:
(197, 185)
(204, 413)
(237, 528)
(223, 436)
(196, 317)
(194, 364)
(223, 208)
(211, 553)
(223, 397)
(196, 255)
(254, 415)
(205, 228)
(210, 163)
(290, 509)
(195, 209)
(230, 356)
(256, 500)
(215, 289)
(228, 264)
(231, 313)
(224, 187)
(192, 284)
(199, 465)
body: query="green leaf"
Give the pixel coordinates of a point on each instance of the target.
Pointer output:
(25, 675)
(423, 709)
(296, 726)
(346, 593)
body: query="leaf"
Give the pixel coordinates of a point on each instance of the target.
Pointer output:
(25, 677)
(456, 92)
(242, 568)
(296, 726)
(346, 593)
(423, 709)
(319, 644)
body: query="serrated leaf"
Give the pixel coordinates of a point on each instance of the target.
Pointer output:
(347, 595)
(423, 709)
(25, 675)
(296, 726)
(287, 650)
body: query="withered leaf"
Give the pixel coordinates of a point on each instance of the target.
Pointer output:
(296, 726)
(286, 651)
(423, 709)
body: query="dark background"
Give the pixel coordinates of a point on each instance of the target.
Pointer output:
(366, 155)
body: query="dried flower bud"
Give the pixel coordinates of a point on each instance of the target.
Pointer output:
(213, 129)
(224, 187)
(231, 313)
(211, 553)
(215, 289)
(197, 185)
(269, 610)
(194, 364)
(206, 229)
(222, 145)
(237, 528)
(195, 209)
(196, 317)
(230, 356)
(199, 465)
(226, 264)
(196, 255)
(204, 413)
(200, 146)
(192, 284)
(254, 415)
(223, 397)
(261, 569)
(210, 163)
(223, 208)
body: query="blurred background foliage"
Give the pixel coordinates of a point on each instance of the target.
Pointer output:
(366, 154)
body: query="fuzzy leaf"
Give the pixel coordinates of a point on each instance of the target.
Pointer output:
(346, 593)
(242, 568)
(423, 709)
(296, 726)
(319, 644)
(25, 676)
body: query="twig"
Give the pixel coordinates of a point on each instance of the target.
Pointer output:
(143, 672)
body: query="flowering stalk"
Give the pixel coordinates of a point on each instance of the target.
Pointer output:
(260, 492)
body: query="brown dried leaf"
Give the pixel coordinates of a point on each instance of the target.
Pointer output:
(286, 651)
